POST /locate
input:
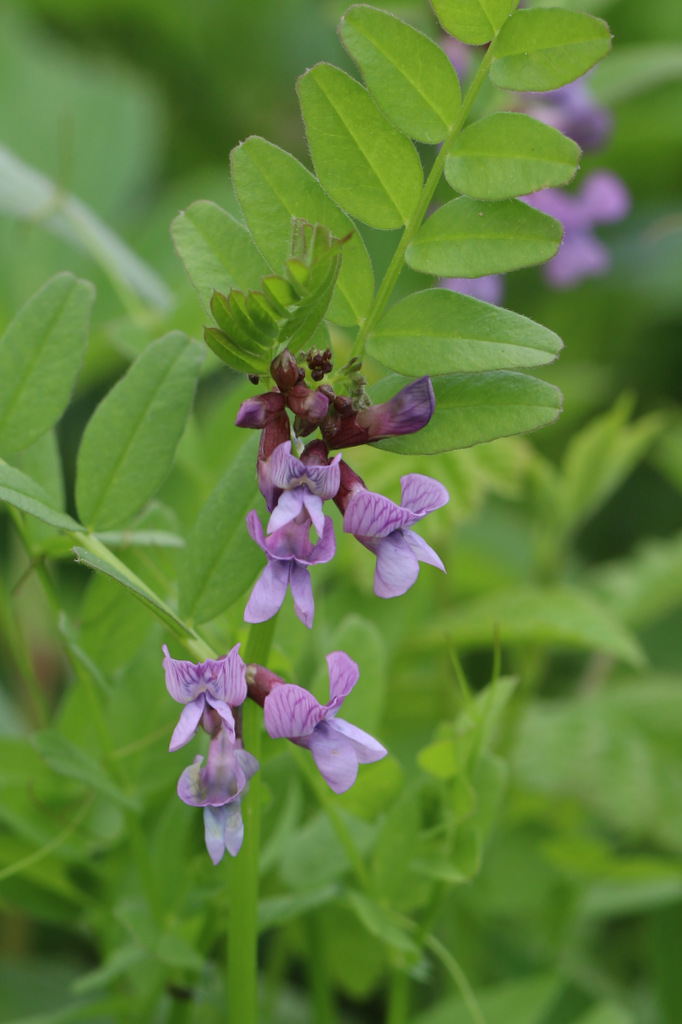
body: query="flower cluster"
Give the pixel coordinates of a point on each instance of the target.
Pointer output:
(298, 536)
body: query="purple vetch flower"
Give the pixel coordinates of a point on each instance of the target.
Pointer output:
(408, 411)
(290, 553)
(573, 110)
(207, 690)
(489, 288)
(304, 487)
(384, 528)
(602, 199)
(337, 746)
(218, 787)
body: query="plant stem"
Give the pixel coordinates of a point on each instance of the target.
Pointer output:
(459, 977)
(391, 276)
(398, 1010)
(242, 945)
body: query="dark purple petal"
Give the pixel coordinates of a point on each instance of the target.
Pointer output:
(422, 494)
(367, 749)
(184, 679)
(187, 723)
(302, 593)
(291, 712)
(268, 593)
(397, 567)
(408, 411)
(343, 675)
(334, 756)
(373, 515)
(422, 550)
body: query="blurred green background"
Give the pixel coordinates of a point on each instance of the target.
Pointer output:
(133, 108)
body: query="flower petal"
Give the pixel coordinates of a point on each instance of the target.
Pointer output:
(255, 528)
(313, 505)
(373, 515)
(233, 829)
(268, 592)
(187, 723)
(229, 679)
(367, 749)
(397, 566)
(184, 679)
(291, 712)
(289, 505)
(343, 675)
(302, 593)
(422, 550)
(247, 762)
(325, 549)
(422, 494)
(334, 756)
(225, 712)
(215, 819)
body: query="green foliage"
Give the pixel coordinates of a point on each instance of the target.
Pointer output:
(40, 355)
(19, 490)
(543, 49)
(467, 238)
(506, 155)
(473, 21)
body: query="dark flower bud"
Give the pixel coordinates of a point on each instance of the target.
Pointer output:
(308, 405)
(260, 410)
(285, 371)
(350, 483)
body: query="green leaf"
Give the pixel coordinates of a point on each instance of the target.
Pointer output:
(543, 49)
(559, 615)
(473, 21)
(527, 1000)
(475, 407)
(409, 75)
(23, 493)
(508, 154)
(381, 923)
(217, 251)
(40, 355)
(66, 759)
(438, 331)
(364, 163)
(644, 586)
(220, 560)
(119, 572)
(274, 190)
(129, 443)
(468, 238)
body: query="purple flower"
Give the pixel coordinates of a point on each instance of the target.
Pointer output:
(290, 552)
(602, 199)
(207, 689)
(337, 747)
(408, 411)
(218, 787)
(489, 288)
(304, 487)
(573, 110)
(384, 528)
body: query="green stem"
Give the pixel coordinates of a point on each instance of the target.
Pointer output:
(398, 1010)
(242, 945)
(391, 276)
(321, 994)
(459, 977)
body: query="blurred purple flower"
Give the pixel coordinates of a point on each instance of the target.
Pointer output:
(573, 110)
(207, 689)
(337, 747)
(384, 528)
(489, 288)
(290, 552)
(304, 487)
(218, 787)
(602, 199)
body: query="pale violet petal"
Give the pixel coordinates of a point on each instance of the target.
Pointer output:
(187, 723)
(397, 567)
(214, 831)
(268, 592)
(325, 549)
(233, 830)
(229, 683)
(291, 712)
(255, 528)
(422, 550)
(367, 749)
(334, 756)
(283, 466)
(374, 515)
(421, 494)
(289, 505)
(343, 675)
(313, 505)
(225, 712)
(184, 679)
(190, 785)
(302, 593)
(247, 762)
